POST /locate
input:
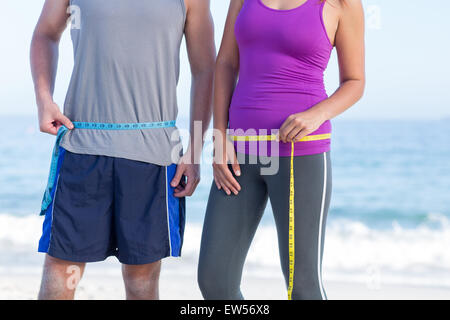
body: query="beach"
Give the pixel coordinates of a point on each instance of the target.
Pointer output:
(387, 231)
(388, 226)
(20, 271)
(97, 286)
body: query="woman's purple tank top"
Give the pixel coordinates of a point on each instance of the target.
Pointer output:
(283, 56)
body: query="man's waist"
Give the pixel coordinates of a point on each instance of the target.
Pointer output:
(123, 126)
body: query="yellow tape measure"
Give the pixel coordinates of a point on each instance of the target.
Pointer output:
(291, 196)
(274, 137)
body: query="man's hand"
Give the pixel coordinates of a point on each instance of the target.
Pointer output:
(199, 34)
(51, 118)
(299, 125)
(191, 171)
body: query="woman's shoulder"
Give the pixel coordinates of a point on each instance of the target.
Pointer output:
(343, 6)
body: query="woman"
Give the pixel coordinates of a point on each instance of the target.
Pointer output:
(279, 49)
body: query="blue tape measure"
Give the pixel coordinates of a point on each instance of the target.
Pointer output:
(123, 126)
(47, 199)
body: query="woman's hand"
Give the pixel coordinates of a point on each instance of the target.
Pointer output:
(301, 124)
(223, 176)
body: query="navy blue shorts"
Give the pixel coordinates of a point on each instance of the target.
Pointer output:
(104, 206)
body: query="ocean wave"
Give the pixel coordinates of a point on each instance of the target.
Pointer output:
(353, 251)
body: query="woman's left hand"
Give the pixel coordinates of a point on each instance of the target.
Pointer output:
(299, 125)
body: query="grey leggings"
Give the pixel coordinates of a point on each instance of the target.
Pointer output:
(231, 222)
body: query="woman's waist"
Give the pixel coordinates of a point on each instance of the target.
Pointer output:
(277, 97)
(264, 118)
(260, 130)
(283, 100)
(279, 86)
(262, 142)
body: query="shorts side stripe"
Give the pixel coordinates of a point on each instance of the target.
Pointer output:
(44, 242)
(53, 209)
(167, 213)
(173, 214)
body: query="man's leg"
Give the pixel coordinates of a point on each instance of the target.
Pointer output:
(142, 281)
(78, 223)
(149, 224)
(60, 278)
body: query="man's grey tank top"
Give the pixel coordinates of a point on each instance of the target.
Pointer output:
(126, 70)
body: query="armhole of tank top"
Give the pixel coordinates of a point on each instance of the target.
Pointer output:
(322, 22)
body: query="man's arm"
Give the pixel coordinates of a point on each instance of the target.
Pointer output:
(44, 62)
(199, 32)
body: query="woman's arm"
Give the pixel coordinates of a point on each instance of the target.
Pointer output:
(44, 61)
(226, 74)
(227, 69)
(349, 41)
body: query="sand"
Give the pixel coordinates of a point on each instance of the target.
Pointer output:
(99, 285)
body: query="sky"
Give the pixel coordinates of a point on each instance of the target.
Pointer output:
(407, 60)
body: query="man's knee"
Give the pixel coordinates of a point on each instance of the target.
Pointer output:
(140, 279)
(149, 271)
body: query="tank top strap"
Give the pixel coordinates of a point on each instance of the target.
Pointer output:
(315, 5)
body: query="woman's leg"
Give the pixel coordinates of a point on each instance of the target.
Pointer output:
(312, 199)
(229, 227)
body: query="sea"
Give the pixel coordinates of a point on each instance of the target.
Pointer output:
(389, 220)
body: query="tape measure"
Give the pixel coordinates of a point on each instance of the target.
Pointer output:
(123, 126)
(291, 195)
(47, 200)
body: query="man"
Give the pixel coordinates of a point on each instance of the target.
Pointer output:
(115, 188)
